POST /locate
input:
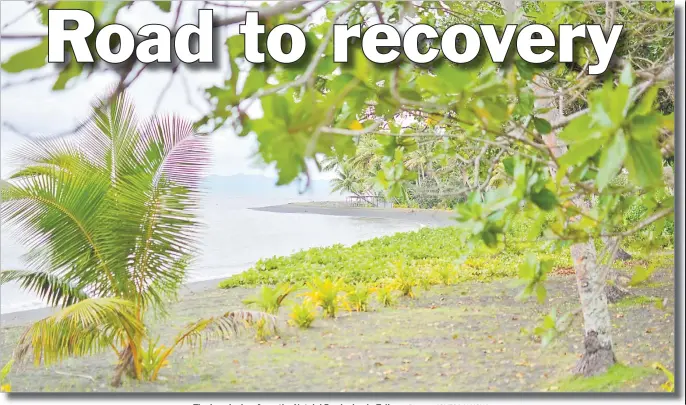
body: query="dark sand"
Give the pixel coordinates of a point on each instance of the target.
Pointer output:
(470, 337)
(425, 217)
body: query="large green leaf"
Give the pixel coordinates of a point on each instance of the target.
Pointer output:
(611, 160)
(32, 58)
(644, 163)
(580, 151)
(164, 5)
(579, 129)
(544, 199)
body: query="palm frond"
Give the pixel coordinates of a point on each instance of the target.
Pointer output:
(169, 146)
(220, 327)
(45, 156)
(57, 218)
(49, 287)
(87, 327)
(157, 198)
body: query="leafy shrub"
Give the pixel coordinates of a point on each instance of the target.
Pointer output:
(357, 297)
(326, 294)
(270, 299)
(303, 315)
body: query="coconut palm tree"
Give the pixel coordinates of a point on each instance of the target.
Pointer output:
(347, 180)
(109, 217)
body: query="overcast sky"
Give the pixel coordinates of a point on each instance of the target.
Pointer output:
(34, 109)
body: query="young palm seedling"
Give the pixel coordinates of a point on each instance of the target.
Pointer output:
(326, 294)
(386, 295)
(405, 280)
(152, 358)
(303, 314)
(357, 297)
(270, 299)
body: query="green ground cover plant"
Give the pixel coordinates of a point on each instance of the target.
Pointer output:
(372, 261)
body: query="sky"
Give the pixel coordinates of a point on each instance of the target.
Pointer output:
(32, 108)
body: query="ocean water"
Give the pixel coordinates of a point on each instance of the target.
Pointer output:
(234, 237)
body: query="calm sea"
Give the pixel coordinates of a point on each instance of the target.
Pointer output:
(235, 237)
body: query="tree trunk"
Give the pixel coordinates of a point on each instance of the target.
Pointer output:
(598, 355)
(591, 283)
(125, 366)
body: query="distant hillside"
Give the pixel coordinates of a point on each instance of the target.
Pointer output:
(246, 185)
(253, 185)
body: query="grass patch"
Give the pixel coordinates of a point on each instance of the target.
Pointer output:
(617, 377)
(637, 300)
(437, 251)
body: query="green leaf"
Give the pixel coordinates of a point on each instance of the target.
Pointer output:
(526, 271)
(525, 69)
(644, 163)
(542, 126)
(580, 152)
(73, 69)
(540, 293)
(549, 322)
(32, 58)
(164, 5)
(663, 6)
(255, 80)
(490, 238)
(645, 128)
(641, 274)
(627, 76)
(577, 130)
(509, 165)
(611, 160)
(452, 78)
(544, 199)
(645, 106)
(525, 106)
(6, 370)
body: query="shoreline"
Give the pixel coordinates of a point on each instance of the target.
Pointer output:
(421, 216)
(431, 217)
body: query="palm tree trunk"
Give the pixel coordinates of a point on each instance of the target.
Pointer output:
(125, 365)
